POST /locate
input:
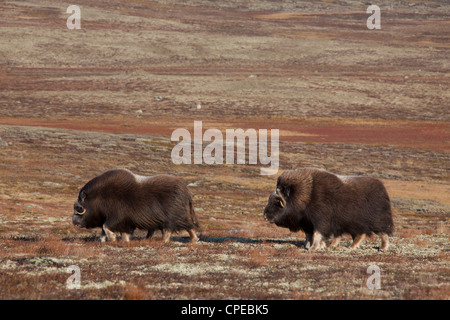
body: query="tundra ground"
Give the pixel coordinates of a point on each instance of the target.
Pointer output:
(75, 103)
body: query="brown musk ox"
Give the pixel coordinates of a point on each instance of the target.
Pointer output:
(325, 206)
(120, 201)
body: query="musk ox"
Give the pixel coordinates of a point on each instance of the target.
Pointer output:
(327, 206)
(120, 201)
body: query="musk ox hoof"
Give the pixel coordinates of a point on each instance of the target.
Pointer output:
(321, 246)
(107, 234)
(317, 243)
(193, 236)
(384, 242)
(357, 240)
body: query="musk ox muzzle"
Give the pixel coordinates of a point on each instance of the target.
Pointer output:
(77, 216)
(118, 201)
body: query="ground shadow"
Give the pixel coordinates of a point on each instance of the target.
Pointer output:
(208, 239)
(238, 240)
(22, 238)
(90, 238)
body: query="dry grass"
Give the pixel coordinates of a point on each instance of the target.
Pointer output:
(132, 292)
(149, 269)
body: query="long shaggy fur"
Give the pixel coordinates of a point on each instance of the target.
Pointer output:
(318, 201)
(121, 202)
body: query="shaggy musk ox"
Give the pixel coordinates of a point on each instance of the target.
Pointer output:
(119, 201)
(325, 206)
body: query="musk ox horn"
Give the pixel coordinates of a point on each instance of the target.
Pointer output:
(282, 202)
(81, 213)
(281, 198)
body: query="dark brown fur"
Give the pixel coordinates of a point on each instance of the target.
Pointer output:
(326, 205)
(119, 201)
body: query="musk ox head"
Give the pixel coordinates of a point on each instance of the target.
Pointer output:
(275, 206)
(292, 194)
(84, 213)
(94, 199)
(287, 204)
(295, 186)
(79, 209)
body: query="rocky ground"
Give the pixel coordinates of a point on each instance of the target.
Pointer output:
(75, 103)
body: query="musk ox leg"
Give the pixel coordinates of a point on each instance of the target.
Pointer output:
(126, 236)
(335, 241)
(317, 241)
(193, 235)
(150, 234)
(357, 241)
(384, 241)
(323, 244)
(309, 240)
(166, 235)
(102, 236)
(109, 234)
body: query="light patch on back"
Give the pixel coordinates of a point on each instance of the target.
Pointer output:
(139, 178)
(345, 178)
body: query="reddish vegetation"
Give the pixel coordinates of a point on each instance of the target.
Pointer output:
(435, 136)
(430, 137)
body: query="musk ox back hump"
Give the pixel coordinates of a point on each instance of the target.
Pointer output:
(354, 205)
(169, 201)
(374, 203)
